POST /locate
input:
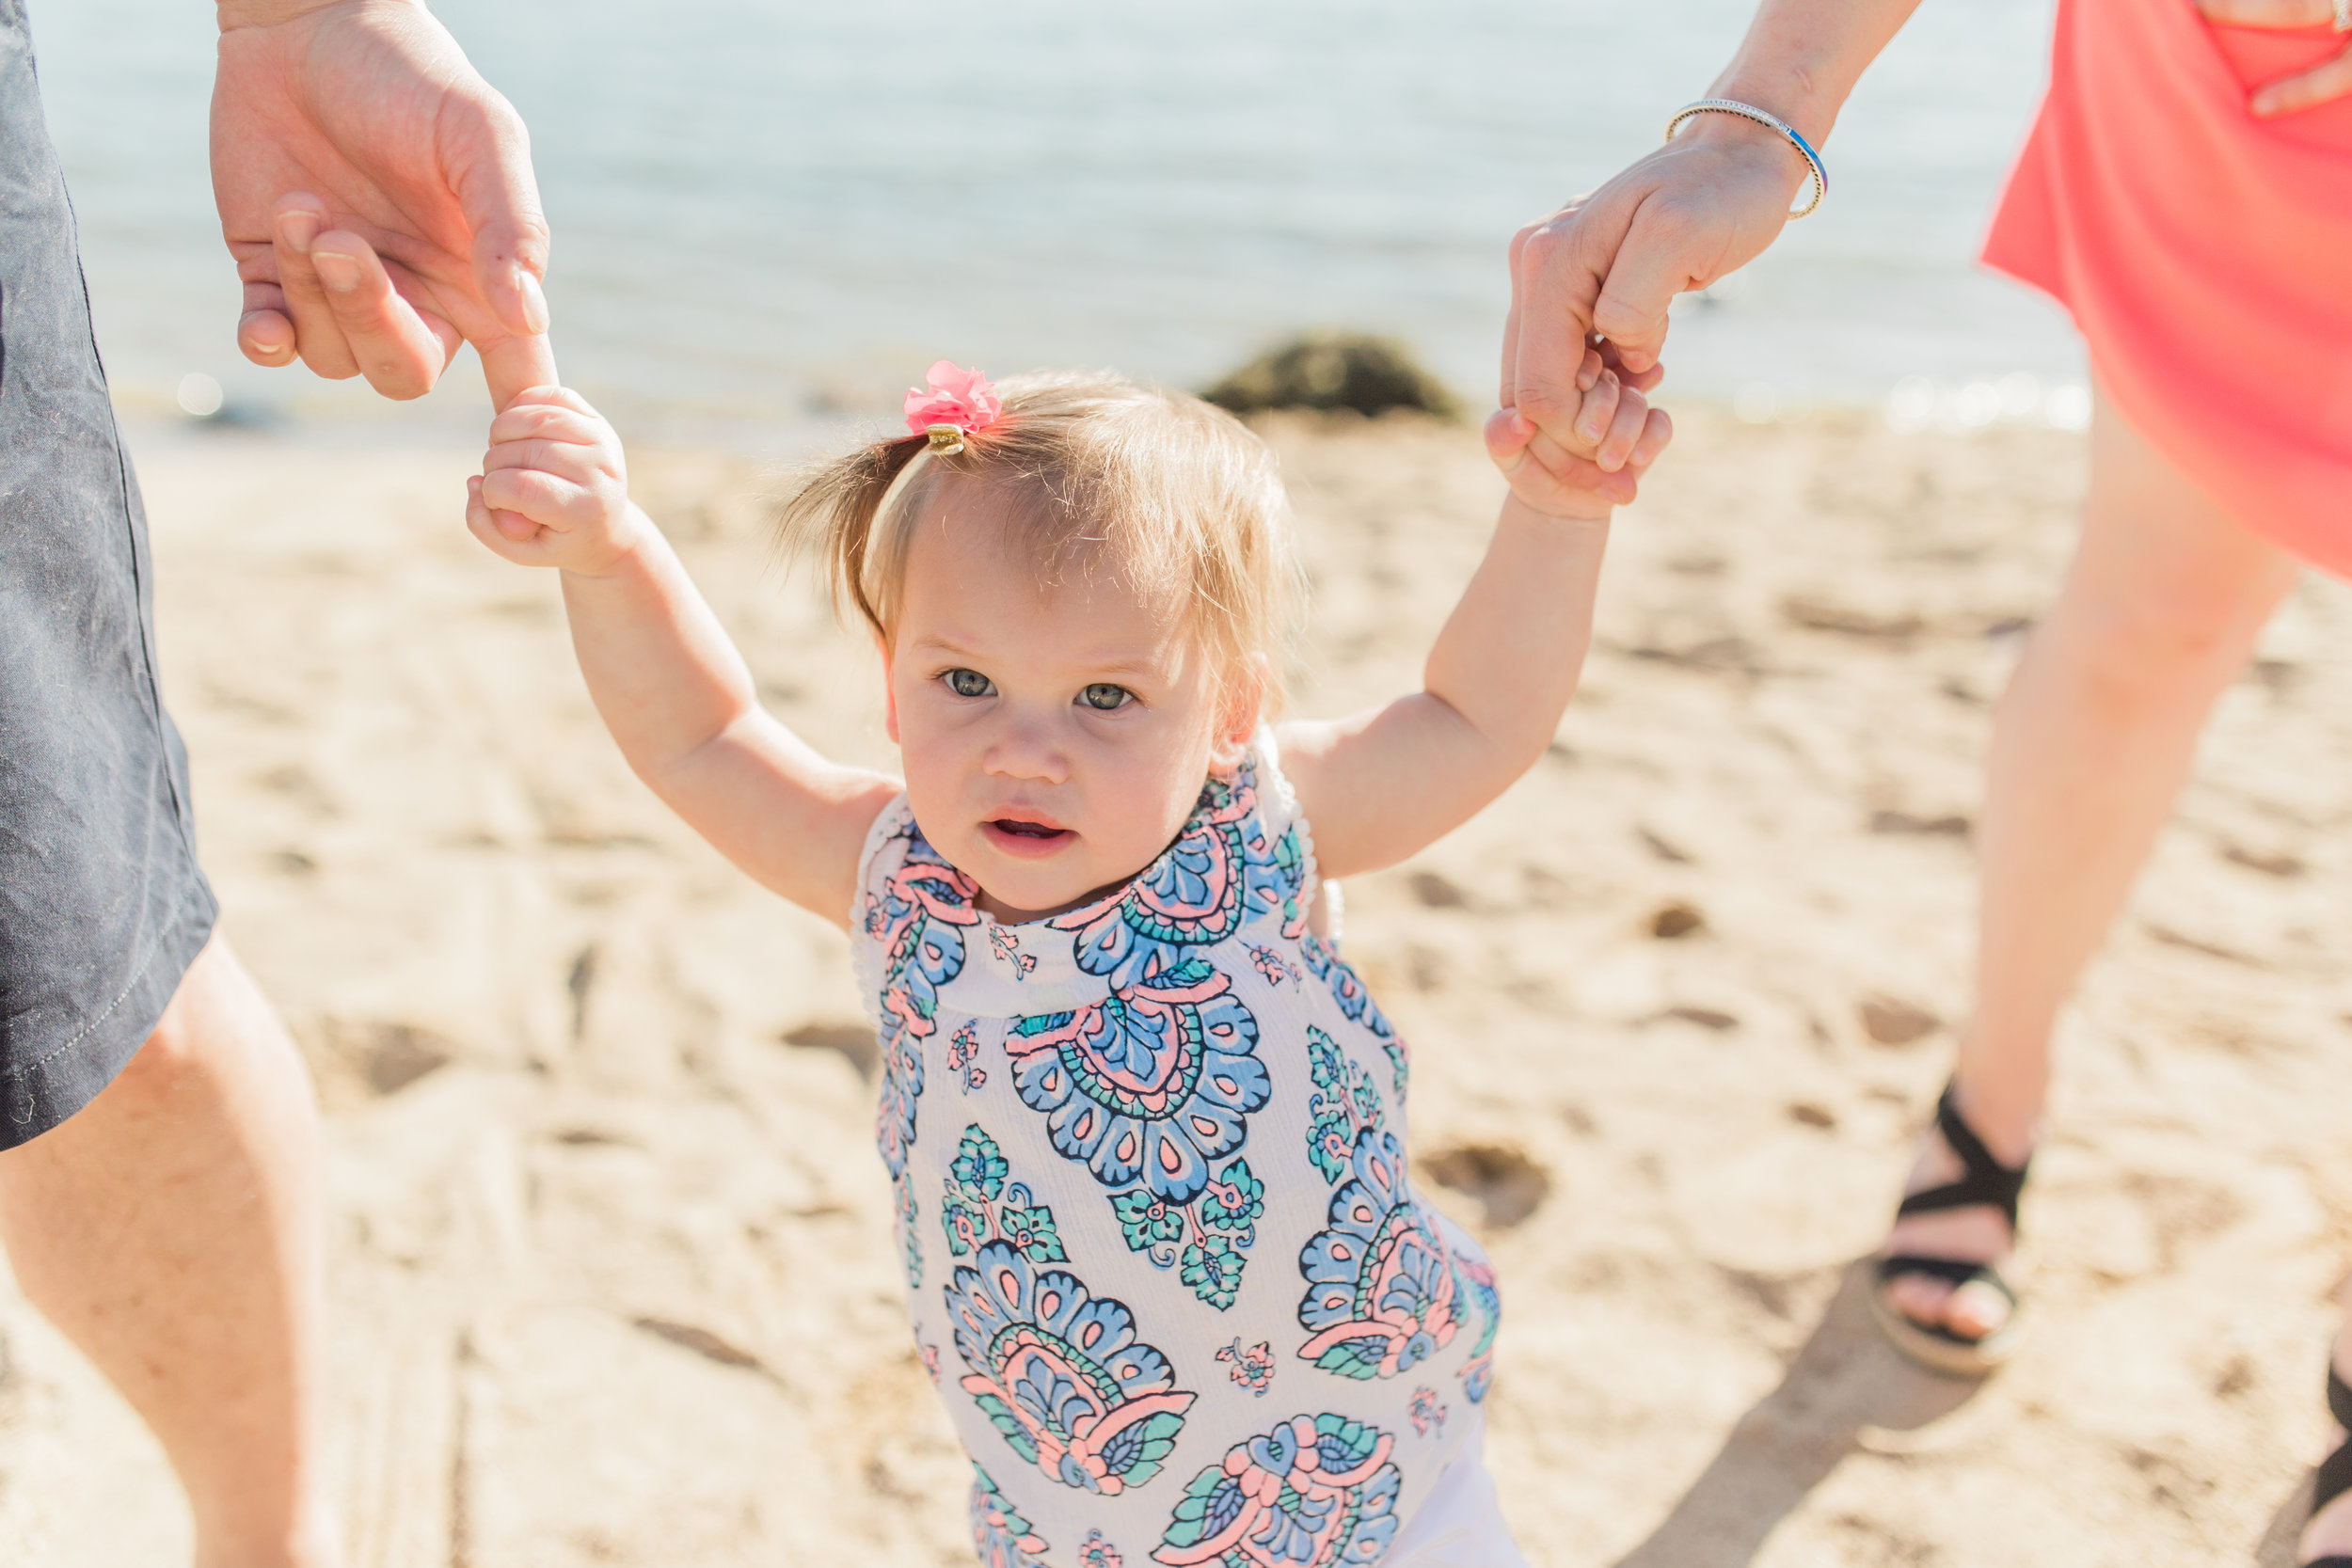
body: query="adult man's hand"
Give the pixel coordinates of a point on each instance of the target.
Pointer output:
(377, 195)
(1702, 205)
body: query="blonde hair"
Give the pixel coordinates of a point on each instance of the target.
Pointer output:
(1092, 474)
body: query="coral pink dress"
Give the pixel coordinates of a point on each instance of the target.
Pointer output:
(2206, 255)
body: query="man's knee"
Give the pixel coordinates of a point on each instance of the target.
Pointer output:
(216, 1011)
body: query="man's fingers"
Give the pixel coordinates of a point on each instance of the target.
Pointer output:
(400, 351)
(513, 366)
(2323, 83)
(490, 172)
(265, 335)
(294, 227)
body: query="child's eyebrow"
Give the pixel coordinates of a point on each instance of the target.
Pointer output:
(1129, 667)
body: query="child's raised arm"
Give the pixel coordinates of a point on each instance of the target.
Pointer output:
(1383, 784)
(670, 686)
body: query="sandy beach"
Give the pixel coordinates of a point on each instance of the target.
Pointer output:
(610, 1240)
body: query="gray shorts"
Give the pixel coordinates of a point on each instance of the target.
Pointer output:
(101, 904)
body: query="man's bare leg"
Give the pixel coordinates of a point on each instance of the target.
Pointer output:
(173, 1230)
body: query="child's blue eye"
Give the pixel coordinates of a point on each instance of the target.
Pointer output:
(1105, 698)
(969, 682)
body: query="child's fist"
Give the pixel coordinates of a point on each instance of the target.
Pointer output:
(1550, 479)
(553, 490)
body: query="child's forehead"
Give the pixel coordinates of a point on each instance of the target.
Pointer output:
(976, 589)
(973, 548)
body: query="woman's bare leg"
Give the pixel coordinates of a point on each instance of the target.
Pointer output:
(2090, 745)
(172, 1230)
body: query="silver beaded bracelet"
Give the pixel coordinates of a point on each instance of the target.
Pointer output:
(1772, 121)
(2343, 16)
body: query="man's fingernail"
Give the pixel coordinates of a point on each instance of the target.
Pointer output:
(535, 301)
(298, 230)
(339, 273)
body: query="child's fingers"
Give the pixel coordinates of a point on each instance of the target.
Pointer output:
(526, 422)
(553, 397)
(1656, 431)
(1569, 472)
(564, 459)
(1640, 381)
(542, 497)
(501, 531)
(1600, 406)
(1588, 374)
(1507, 432)
(1625, 428)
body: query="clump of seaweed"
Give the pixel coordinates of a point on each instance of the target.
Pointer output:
(1335, 371)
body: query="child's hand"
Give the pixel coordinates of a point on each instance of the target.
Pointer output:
(554, 490)
(1624, 434)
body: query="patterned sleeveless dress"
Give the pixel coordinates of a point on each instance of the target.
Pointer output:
(1162, 1257)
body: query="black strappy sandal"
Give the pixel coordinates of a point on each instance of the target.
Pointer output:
(1983, 1180)
(2335, 1471)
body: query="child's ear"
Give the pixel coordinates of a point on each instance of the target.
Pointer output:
(1245, 700)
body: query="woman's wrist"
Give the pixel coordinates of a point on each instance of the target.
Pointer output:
(1801, 58)
(1736, 132)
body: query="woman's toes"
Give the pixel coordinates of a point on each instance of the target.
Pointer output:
(2329, 1531)
(1918, 1297)
(1977, 1310)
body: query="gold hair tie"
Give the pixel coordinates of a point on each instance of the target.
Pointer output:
(946, 440)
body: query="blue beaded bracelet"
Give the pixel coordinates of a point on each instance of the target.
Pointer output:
(1771, 122)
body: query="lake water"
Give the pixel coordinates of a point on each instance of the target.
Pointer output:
(769, 209)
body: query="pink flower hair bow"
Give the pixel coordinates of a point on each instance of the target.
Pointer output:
(959, 403)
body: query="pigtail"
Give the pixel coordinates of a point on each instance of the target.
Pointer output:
(831, 518)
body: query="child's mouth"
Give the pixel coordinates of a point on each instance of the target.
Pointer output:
(1016, 837)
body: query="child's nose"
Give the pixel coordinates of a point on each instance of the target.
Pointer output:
(1029, 750)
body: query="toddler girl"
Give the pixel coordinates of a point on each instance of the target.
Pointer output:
(1144, 1126)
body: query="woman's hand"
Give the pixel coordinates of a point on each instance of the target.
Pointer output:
(2330, 79)
(1703, 205)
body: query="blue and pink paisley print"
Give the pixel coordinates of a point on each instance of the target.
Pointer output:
(1315, 1492)
(1151, 1091)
